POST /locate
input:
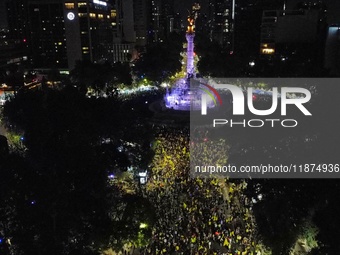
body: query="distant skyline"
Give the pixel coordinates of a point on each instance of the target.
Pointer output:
(182, 6)
(333, 8)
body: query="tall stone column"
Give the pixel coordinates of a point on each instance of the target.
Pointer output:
(190, 54)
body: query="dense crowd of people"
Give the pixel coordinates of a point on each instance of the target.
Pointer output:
(205, 151)
(195, 216)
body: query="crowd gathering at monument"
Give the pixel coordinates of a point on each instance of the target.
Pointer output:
(195, 216)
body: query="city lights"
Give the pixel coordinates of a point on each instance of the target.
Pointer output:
(268, 51)
(70, 16)
(167, 127)
(100, 2)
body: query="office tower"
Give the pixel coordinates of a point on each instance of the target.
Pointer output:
(47, 41)
(89, 30)
(285, 31)
(17, 19)
(141, 20)
(163, 20)
(221, 16)
(248, 22)
(40, 25)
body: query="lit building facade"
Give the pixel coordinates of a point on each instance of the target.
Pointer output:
(17, 19)
(163, 20)
(141, 21)
(89, 30)
(222, 22)
(40, 25)
(47, 39)
(122, 52)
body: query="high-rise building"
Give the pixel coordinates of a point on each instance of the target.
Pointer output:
(167, 17)
(129, 34)
(47, 39)
(141, 21)
(89, 30)
(17, 19)
(248, 21)
(40, 25)
(60, 32)
(284, 30)
(154, 32)
(221, 16)
(163, 20)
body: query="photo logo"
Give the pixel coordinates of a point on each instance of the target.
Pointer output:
(288, 96)
(239, 99)
(213, 94)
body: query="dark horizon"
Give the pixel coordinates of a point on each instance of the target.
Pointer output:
(184, 5)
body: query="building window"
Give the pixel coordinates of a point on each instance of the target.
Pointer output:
(81, 4)
(69, 5)
(113, 13)
(92, 15)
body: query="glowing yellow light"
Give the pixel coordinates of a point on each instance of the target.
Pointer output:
(143, 225)
(268, 51)
(69, 5)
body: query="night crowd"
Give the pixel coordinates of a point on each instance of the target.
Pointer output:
(195, 215)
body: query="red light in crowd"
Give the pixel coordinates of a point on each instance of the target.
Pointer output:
(24, 40)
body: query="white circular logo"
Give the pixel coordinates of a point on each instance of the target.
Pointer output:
(70, 16)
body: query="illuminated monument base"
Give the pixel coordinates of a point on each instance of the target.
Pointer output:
(185, 98)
